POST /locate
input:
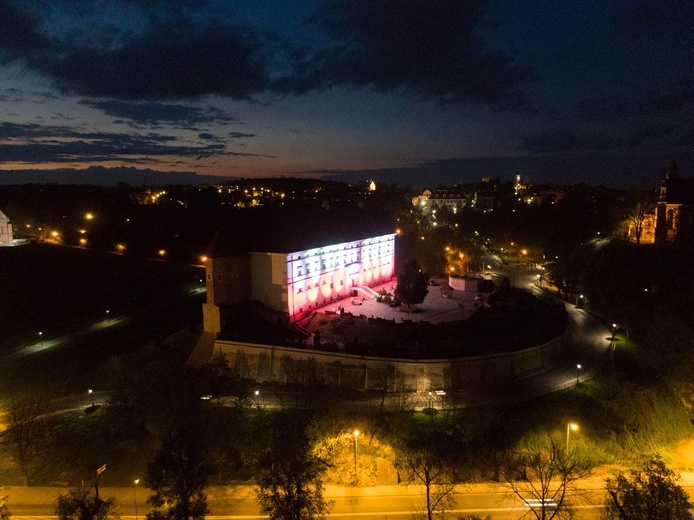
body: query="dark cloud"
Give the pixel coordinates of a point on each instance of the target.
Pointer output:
(239, 135)
(206, 136)
(36, 143)
(568, 140)
(156, 113)
(644, 17)
(172, 57)
(673, 96)
(428, 49)
(19, 32)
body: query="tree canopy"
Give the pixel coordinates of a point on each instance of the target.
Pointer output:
(177, 477)
(412, 284)
(290, 481)
(648, 492)
(85, 504)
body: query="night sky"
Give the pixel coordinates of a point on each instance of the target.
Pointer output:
(415, 92)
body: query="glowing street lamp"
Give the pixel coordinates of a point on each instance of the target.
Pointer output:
(356, 436)
(135, 483)
(578, 373)
(108, 316)
(257, 399)
(569, 428)
(41, 338)
(91, 394)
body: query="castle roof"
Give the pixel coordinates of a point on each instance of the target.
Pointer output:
(3, 216)
(288, 230)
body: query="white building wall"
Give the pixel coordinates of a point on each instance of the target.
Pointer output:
(318, 276)
(5, 231)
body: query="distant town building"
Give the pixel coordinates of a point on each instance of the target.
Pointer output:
(674, 213)
(285, 274)
(482, 196)
(5, 230)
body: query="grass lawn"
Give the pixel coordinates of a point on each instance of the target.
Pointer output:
(57, 289)
(60, 290)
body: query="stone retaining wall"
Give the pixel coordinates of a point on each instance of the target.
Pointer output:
(305, 366)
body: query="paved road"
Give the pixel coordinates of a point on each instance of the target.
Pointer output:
(383, 502)
(377, 502)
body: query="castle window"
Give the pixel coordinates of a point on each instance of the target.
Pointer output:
(209, 276)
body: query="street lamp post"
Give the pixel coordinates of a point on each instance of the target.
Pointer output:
(135, 483)
(257, 399)
(613, 339)
(91, 394)
(41, 338)
(569, 427)
(356, 436)
(578, 373)
(108, 317)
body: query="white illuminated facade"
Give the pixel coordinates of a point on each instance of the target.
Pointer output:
(5, 230)
(318, 276)
(292, 285)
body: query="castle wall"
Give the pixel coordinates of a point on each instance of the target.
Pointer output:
(291, 365)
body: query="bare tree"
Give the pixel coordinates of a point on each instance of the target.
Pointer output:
(542, 474)
(5, 513)
(639, 207)
(24, 433)
(428, 461)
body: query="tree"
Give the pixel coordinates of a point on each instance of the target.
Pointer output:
(412, 284)
(290, 483)
(649, 492)
(178, 476)
(428, 457)
(431, 469)
(5, 513)
(24, 433)
(640, 206)
(542, 474)
(85, 504)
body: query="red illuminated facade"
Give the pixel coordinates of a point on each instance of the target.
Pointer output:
(318, 276)
(292, 285)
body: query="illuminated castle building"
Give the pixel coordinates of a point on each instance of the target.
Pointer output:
(284, 271)
(5, 230)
